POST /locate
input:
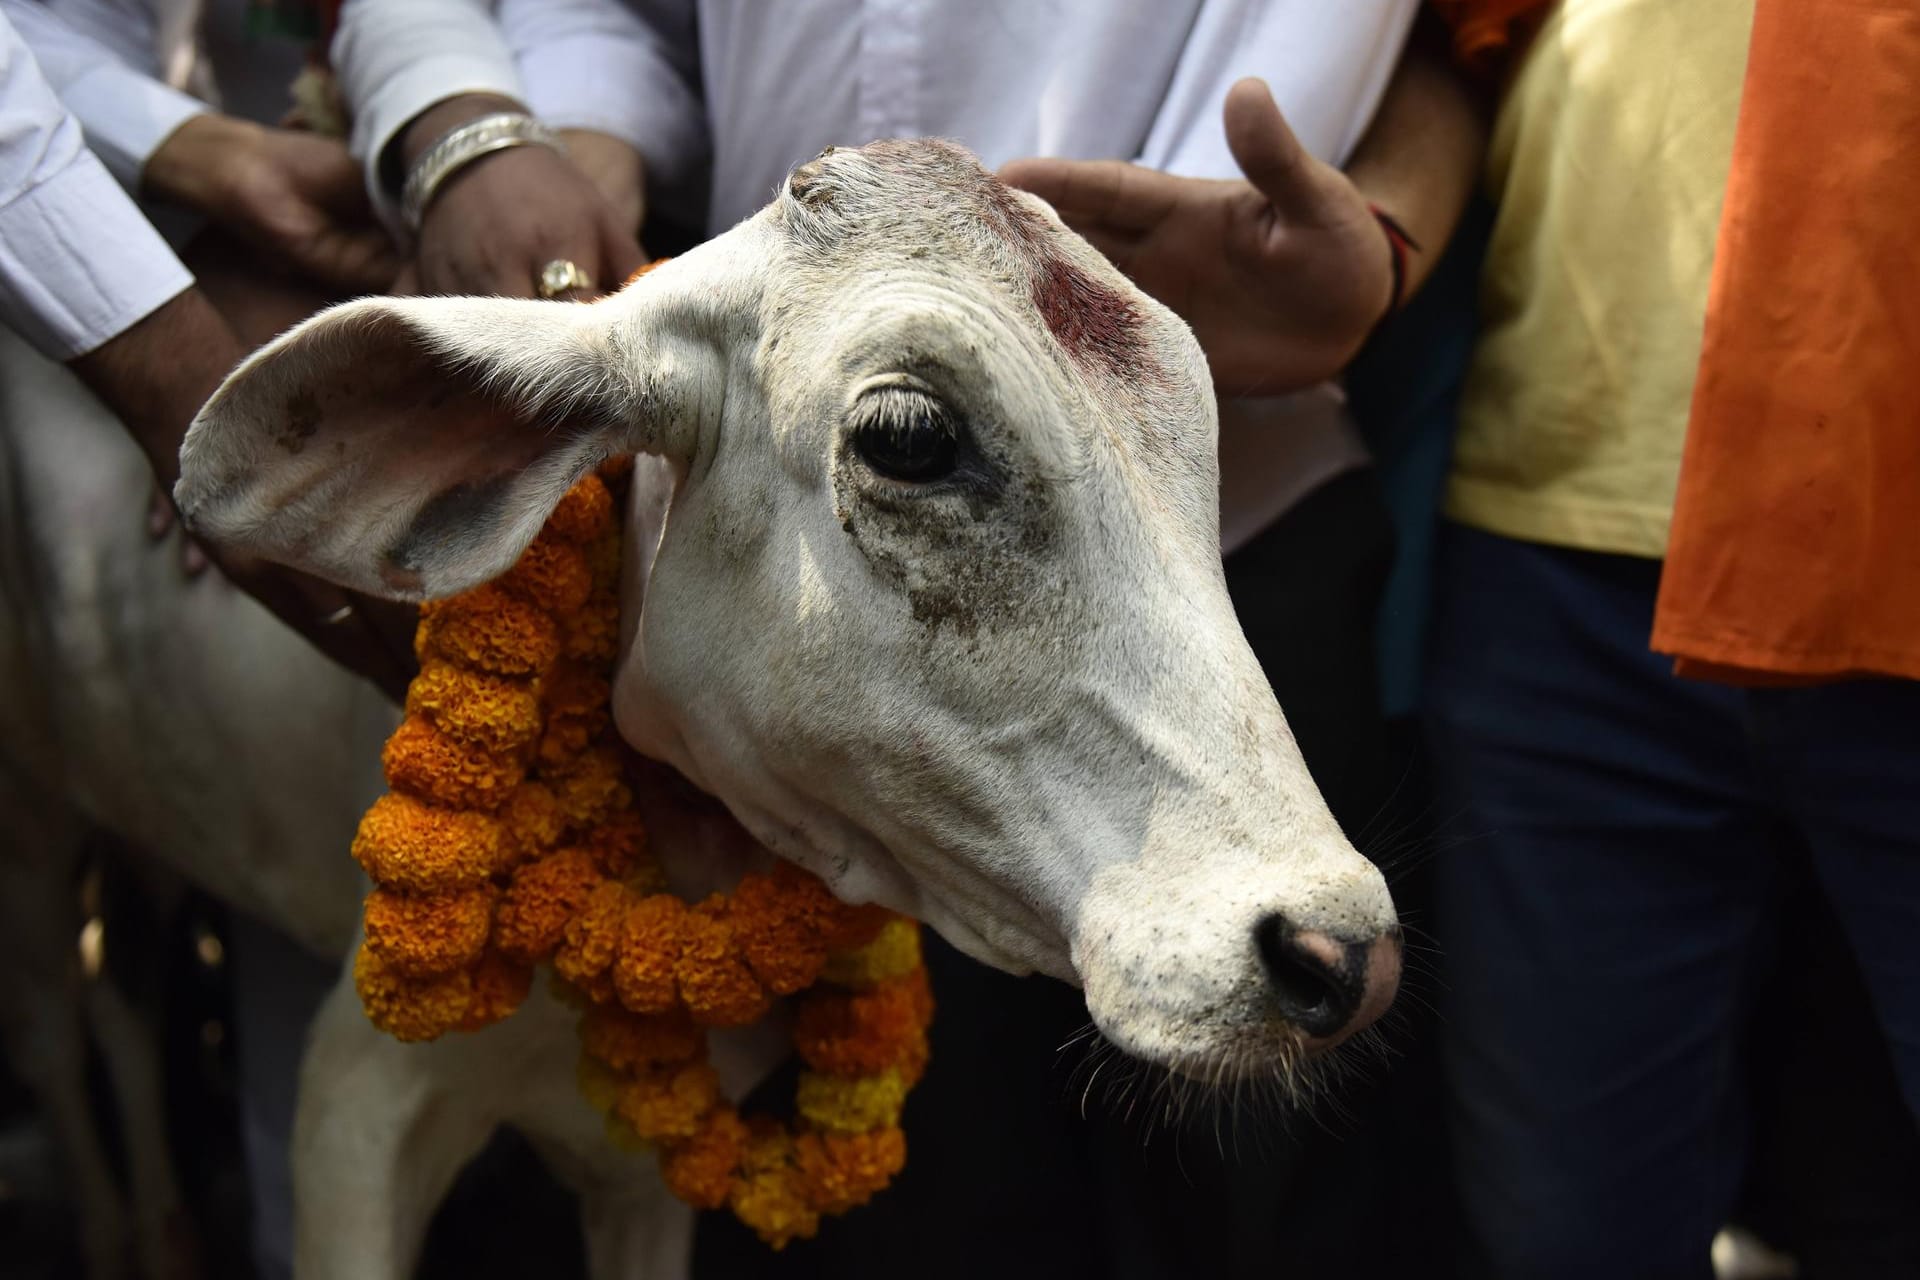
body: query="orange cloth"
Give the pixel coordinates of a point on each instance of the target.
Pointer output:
(1794, 554)
(1487, 32)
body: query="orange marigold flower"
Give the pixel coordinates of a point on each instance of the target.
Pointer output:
(488, 629)
(593, 936)
(620, 846)
(629, 1043)
(500, 986)
(544, 895)
(406, 844)
(425, 762)
(780, 925)
(841, 1104)
(592, 632)
(590, 788)
(533, 824)
(666, 1104)
(576, 701)
(893, 953)
(700, 1170)
(585, 513)
(856, 926)
(551, 573)
(650, 940)
(843, 1171)
(410, 1009)
(604, 559)
(715, 983)
(770, 1195)
(426, 936)
(473, 707)
(865, 1033)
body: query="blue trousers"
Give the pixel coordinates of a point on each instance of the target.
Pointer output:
(1626, 840)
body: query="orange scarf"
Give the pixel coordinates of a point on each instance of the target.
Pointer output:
(1794, 555)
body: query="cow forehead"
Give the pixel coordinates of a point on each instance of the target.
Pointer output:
(913, 199)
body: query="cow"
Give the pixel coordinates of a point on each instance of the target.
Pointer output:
(923, 586)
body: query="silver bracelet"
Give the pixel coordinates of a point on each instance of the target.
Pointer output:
(460, 147)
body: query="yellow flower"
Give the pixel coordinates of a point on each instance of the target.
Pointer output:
(770, 1195)
(488, 629)
(410, 1009)
(843, 1171)
(668, 1103)
(543, 897)
(552, 573)
(414, 847)
(841, 1104)
(493, 712)
(586, 513)
(533, 824)
(700, 1170)
(425, 762)
(715, 983)
(894, 953)
(650, 941)
(426, 936)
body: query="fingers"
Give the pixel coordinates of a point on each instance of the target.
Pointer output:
(160, 515)
(1097, 193)
(1265, 148)
(361, 259)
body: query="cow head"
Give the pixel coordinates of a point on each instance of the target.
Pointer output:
(936, 608)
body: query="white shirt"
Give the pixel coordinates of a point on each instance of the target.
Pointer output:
(79, 262)
(745, 89)
(722, 97)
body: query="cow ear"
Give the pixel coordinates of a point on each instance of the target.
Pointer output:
(413, 447)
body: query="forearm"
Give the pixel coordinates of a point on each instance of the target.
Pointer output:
(1420, 159)
(157, 374)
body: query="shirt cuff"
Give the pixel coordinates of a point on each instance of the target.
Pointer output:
(127, 116)
(380, 119)
(79, 264)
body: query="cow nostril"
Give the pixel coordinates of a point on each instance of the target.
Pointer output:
(1315, 981)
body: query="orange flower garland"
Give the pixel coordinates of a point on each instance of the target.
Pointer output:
(509, 840)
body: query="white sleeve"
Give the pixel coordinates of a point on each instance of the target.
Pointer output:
(1328, 65)
(79, 263)
(395, 58)
(630, 68)
(85, 53)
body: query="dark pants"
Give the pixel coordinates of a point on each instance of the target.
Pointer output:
(1023, 1164)
(1622, 885)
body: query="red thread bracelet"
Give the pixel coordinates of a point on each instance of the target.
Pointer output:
(1399, 245)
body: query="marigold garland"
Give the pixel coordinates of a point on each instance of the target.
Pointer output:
(509, 839)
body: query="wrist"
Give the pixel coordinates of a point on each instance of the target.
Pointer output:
(1401, 248)
(433, 124)
(197, 164)
(463, 146)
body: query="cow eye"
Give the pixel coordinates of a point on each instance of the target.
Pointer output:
(906, 436)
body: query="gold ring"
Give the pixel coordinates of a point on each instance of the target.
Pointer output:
(562, 275)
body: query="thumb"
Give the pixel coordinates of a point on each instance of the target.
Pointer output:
(1265, 149)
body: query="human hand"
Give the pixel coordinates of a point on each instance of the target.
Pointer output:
(615, 169)
(155, 376)
(297, 196)
(1283, 276)
(495, 223)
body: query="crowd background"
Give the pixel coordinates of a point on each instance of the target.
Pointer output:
(1456, 270)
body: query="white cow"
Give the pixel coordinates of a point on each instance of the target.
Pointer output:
(925, 588)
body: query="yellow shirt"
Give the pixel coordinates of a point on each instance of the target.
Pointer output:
(1609, 159)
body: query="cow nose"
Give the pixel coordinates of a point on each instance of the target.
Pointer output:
(1327, 988)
